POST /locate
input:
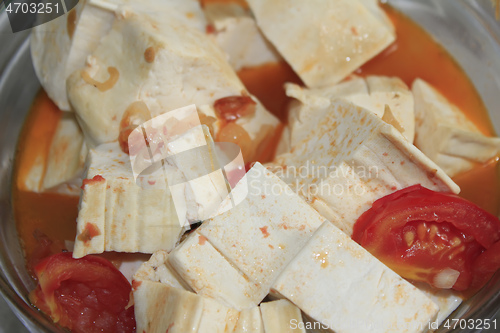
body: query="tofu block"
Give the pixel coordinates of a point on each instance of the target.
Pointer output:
(324, 40)
(137, 203)
(117, 214)
(160, 307)
(66, 158)
(209, 274)
(171, 65)
(349, 158)
(237, 34)
(373, 93)
(257, 239)
(158, 269)
(178, 143)
(445, 135)
(162, 304)
(59, 47)
(393, 93)
(336, 282)
(61, 170)
(281, 317)
(249, 321)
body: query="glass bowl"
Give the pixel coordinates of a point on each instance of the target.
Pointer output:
(466, 28)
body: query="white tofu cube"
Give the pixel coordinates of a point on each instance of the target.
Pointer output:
(338, 283)
(170, 64)
(62, 168)
(237, 34)
(281, 317)
(250, 321)
(445, 134)
(349, 158)
(162, 304)
(373, 93)
(209, 274)
(323, 40)
(256, 239)
(59, 47)
(117, 214)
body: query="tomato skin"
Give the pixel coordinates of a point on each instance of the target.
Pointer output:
(486, 265)
(232, 108)
(85, 295)
(419, 233)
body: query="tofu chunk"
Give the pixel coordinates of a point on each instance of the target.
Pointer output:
(61, 170)
(158, 269)
(170, 64)
(336, 282)
(163, 304)
(66, 158)
(237, 34)
(349, 158)
(59, 47)
(117, 214)
(445, 134)
(257, 239)
(250, 321)
(209, 274)
(373, 93)
(281, 317)
(147, 208)
(324, 40)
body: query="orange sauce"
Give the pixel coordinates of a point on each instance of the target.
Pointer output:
(266, 82)
(417, 55)
(36, 137)
(481, 185)
(414, 54)
(53, 215)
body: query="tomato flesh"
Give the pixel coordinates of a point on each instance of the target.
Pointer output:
(84, 295)
(424, 235)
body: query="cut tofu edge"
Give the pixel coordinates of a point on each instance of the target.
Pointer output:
(374, 93)
(61, 46)
(117, 214)
(162, 303)
(61, 170)
(314, 50)
(236, 33)
(445, 134)
(372, 299)
(349, 159)
(247, 245)
(209, 274)
(157, 59)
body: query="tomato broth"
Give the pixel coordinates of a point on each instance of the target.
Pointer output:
(414, 54)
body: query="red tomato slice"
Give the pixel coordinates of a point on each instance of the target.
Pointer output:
(428, 236)
(85, 295)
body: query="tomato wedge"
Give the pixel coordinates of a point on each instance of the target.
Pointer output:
(438, 238)
(85, 295)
